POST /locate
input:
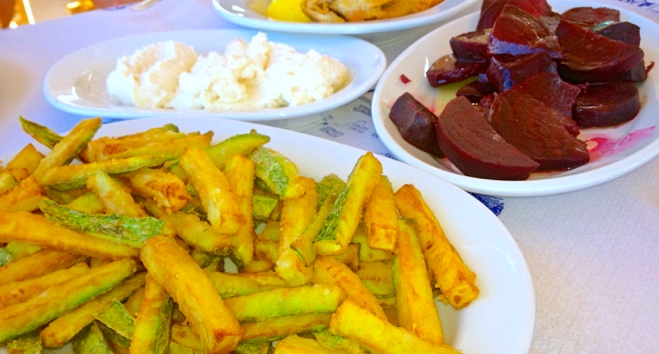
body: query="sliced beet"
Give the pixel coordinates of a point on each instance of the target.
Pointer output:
(471, 46)
(505, 71)
(485, 103)
(416, 123)
(542, 6)
(448, 69)
(516, 32)
(626, 32)
(537, 129)
(491, 9)
(551, 90)
(475, 91)
(590, 57)
(607, 104)
(475, 148)
(638, 73)
(587, 17)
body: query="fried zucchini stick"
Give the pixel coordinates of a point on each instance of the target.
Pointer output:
(213, 188)
(64, 328)
(239, 171)
(170, 150)
(25, 344)
(415, 303)
(303, 245)
(25, 162)
(91, 340)
(381, 217)
(277, 328)
(280, 174)
(348, 208)
(230, 285)
(24, 317)
(318, 298)
(296, 215)
(36, 229)
(40, 133)
(69, 147)
(330, 271)
(117, 318)
(294, 344)
(122, 229)
(36, 265)
(153, 324)
(199, 234)
(356, 323)
(167, 190)
(16, 292)
(70, 177)
(112, 195)
(171, 267)
(452, 276)
(23, 197)
(105, 147)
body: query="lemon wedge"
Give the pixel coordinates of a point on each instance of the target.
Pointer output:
(286, 10)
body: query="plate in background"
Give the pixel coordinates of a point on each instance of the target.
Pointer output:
(76, 83)
(245, 13)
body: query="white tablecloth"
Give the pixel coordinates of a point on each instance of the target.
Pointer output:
(593, 254)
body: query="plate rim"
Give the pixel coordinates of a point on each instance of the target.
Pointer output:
(419, 19)
(526, 188)
(367, 80)
(514, 258)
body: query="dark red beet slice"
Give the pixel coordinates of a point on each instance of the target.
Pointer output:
(506, 71)
(475, 91)
(448, 69)
(540, 131)
(590, 57)
(542, 6)
(491, 9)
(551, 90)
(471, 46)
(638, 73)
(475, 148)
(517, 32)
(606, 105)
(551, 21)
(587, 17)
(416, 123)
(485, 103)
(626, 32)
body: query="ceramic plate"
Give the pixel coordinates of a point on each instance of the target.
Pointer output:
(76, 83)
(251, 13)
(502, 319)
(616, 151)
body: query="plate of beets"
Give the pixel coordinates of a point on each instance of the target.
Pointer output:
(526, 97)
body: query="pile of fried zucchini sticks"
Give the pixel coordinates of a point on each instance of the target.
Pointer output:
(166, 242)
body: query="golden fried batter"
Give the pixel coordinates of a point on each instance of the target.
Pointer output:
(362, 10)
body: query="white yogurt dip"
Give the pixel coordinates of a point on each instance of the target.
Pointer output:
(247, 76)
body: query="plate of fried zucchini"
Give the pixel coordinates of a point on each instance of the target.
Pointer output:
(171, 234)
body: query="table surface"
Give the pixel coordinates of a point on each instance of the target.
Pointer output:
(593, 254)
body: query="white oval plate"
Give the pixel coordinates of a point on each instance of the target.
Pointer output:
(621, 150)
(501, 320)
(76, 83)
(243, 12)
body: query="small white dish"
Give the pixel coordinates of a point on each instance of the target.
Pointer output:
(248, 13)
(76, 83)
(501, 320)
(620, 149)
